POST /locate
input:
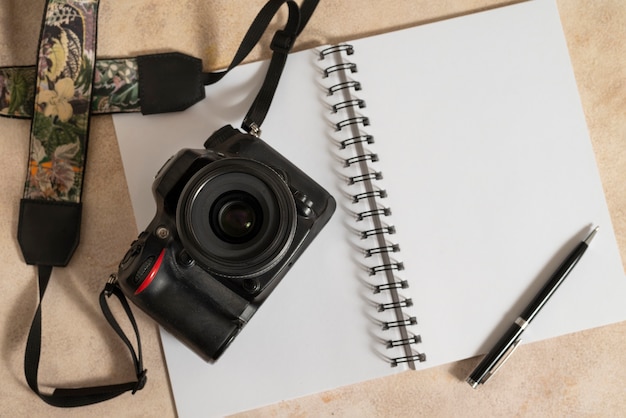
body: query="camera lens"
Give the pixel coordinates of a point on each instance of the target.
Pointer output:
(236, 217)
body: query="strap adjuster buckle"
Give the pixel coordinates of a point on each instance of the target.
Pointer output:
(282, 42)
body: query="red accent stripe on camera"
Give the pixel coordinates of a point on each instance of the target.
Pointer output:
(153, 272)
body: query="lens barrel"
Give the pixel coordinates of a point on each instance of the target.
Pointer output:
(236, 217)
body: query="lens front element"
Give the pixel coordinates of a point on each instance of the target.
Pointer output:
(236, 217)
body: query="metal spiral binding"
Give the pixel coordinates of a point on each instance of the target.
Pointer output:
(381, 194)
(400, 304)
(353, 121)
(355, 140)
(400, 323)
(360, 164)
(402, 284)
(413, 339)
(376, 175)
(386, 267)
(374, 212)
(413, 358)
(349, 103)
(359, 158)
(393, 248)
(385, 230)
(348, 49)
(344, 85)
(346, 66)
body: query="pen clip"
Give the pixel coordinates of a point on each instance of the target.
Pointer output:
(503, 360)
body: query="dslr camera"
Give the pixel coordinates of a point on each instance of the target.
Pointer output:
(231, 220)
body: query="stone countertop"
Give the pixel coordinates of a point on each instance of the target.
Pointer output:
(582, 374)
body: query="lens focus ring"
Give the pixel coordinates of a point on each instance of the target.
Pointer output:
(236, 217)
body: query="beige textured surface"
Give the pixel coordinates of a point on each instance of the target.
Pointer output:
(583, 374)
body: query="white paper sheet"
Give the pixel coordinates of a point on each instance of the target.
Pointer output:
(491, 177)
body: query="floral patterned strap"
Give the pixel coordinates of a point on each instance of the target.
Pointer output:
(120, 85)
(64, 79)
(115, 88)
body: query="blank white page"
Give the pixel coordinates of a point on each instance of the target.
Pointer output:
(491, 179)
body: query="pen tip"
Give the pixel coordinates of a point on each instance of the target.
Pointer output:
(591, 235)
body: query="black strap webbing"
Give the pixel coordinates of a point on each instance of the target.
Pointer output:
(281, 45)
(70, 397)
(253, 36)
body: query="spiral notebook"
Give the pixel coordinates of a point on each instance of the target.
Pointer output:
(463, 171)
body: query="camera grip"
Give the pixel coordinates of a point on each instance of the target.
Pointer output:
(202, 313)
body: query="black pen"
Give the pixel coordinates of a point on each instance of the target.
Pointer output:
(511, 339)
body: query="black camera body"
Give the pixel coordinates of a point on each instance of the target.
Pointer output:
(231, 220)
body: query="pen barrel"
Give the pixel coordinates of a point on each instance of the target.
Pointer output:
(490, 361)
(503, 348)
(553, 283)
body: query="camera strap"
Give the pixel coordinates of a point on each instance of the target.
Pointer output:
(64, 86)
(71, 397)
(135, 84)
(281, 45)
(50, 211)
